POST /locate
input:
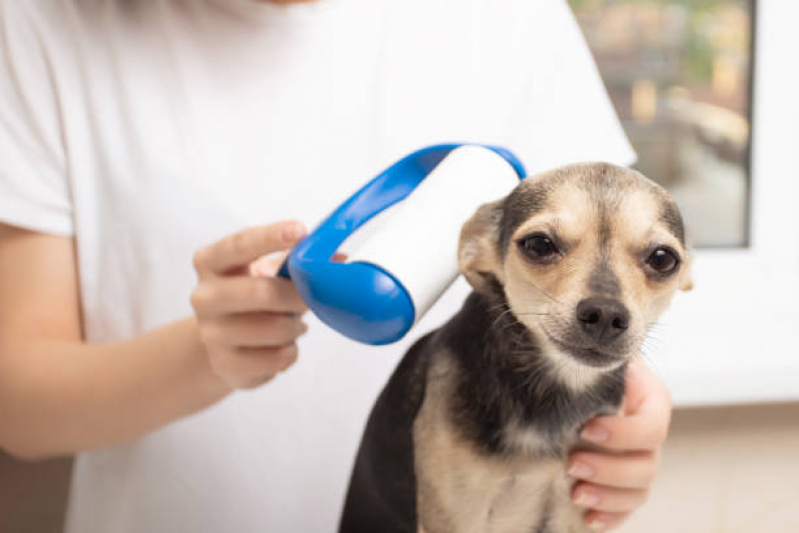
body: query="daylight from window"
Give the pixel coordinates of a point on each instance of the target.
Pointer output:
(678, 74)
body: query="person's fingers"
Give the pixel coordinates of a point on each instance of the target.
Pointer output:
(644, 431)
(640, 382)
(243, 368)
(252, 330)
(629, 471)
(268, 265)
(645, 424)
(610, 499)
(241, 294)
(246, 246)
(603, 521)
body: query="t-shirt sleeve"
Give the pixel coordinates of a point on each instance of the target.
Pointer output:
(565, 115)
(34, 189)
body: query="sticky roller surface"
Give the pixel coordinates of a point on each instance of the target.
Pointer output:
(417, 239)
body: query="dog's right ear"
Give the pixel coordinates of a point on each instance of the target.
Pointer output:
(478, 250)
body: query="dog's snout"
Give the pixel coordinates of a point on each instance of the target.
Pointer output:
(602, 320)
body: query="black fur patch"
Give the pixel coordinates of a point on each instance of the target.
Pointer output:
(521, 204)
(606, 198)
(670, 216)
(603, 280)
(503, 378)
(382, 493)
(502, 375)
(543, 524)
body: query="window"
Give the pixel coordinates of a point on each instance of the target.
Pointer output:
(690, 79)
(678, 73)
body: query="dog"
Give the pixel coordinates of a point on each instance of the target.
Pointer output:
(473, 429)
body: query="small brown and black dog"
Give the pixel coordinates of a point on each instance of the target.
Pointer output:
(472, 431)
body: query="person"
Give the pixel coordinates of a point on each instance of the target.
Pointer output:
(147, 149)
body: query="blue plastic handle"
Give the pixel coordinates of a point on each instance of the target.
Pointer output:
(361, 300)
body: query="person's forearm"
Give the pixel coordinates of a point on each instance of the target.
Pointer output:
(59, 397)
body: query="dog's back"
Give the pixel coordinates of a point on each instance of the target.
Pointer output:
(382, 493)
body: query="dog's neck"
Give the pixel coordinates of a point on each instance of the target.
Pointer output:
(506, 396)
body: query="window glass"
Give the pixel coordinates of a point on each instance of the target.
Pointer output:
(678, 73)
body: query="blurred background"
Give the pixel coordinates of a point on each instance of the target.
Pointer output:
(678, 73)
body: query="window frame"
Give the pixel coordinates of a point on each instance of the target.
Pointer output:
(730, 340)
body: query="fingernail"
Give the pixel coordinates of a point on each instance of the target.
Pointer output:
(597, 525)
(580, 470)
(292, 231)
(586, 499)
(595, 434)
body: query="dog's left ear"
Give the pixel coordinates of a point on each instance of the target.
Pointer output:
(686, 278)
(478, 250)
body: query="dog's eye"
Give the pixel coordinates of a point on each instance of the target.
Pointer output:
(538, 246)
(663, 260)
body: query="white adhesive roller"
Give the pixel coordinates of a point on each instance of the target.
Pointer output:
(416, 240)
(400, 233)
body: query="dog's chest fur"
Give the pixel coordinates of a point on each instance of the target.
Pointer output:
(490, 441)
(461, 488)
(471, 434)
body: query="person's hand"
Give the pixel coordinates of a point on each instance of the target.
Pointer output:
(248, 319)
(615, 481)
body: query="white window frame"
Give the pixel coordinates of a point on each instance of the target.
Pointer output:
(734, 338)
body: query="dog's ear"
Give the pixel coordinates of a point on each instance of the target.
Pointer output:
(686, 279)
(478, 250)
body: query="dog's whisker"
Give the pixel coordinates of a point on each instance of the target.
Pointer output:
(495, 307)
(650, 360)
(651, 340)
(647, 350)
(650, 337)
(652, 348)
(545, 293)
(500, 316)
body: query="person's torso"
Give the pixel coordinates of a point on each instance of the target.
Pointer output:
(187, 120)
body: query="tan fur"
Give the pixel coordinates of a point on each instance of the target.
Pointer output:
(544, 298)
(461, 490)
(477, 252)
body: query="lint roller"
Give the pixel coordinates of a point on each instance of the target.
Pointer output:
(396, 274)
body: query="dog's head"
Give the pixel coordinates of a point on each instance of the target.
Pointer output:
(587, 256)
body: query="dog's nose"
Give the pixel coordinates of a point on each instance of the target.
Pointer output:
(602, 320)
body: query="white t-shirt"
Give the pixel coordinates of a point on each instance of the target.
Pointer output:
(147, 129)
